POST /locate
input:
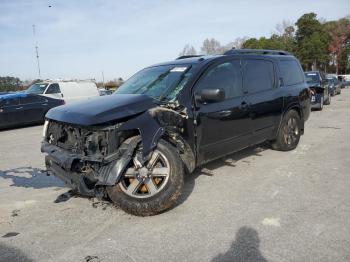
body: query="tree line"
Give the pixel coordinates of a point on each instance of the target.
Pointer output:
(318, 44)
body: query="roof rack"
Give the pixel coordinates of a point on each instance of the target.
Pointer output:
(256, 51)
(187, 56)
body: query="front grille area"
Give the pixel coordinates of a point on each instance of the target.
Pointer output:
(85, 141)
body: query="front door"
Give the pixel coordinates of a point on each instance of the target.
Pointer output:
(222, 127)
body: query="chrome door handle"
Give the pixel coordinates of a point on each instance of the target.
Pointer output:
(17, 108)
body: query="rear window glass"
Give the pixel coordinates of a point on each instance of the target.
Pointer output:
(291, 72)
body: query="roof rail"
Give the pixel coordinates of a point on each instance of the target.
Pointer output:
(187, 56)
(256, 51)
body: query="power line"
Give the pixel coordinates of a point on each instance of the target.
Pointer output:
(37, 51)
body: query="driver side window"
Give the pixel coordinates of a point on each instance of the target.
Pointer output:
(226, 76)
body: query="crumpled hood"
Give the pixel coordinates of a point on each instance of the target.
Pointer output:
(102, 109)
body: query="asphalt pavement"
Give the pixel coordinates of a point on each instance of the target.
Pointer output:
(255, 205)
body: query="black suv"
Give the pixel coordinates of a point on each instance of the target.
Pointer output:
(320, 91)
(136, 145)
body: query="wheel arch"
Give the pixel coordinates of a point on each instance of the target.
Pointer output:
(298, 109)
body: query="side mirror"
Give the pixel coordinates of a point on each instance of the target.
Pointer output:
(209, 95)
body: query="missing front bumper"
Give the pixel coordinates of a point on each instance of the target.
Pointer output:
(106, 172)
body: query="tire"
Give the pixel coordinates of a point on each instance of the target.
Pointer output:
(321, 103)
(288, 135)
(328, 100)
(134, 196)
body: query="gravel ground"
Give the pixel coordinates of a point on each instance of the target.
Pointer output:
(255, 205)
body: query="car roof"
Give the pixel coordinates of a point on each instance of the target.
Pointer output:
(189, 61)
(251, 53)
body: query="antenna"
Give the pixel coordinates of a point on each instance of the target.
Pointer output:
(37, 51)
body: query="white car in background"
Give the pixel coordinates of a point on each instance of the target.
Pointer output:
(70, 91)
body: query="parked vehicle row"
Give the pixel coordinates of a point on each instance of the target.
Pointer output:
(18, 109)
(30, 106)
(322, 87)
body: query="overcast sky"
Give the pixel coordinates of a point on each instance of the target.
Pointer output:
(79, 39)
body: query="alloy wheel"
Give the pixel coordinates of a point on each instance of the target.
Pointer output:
(291, 131)
(144, 181)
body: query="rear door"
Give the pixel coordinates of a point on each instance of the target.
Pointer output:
(222, 127)
(10, 112)
(264, 96)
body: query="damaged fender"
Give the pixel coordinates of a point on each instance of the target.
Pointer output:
(152, 125)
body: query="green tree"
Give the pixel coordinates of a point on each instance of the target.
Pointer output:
(312, 42)
(9, 83)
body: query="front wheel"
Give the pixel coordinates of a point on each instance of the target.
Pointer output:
(150, 189)
(288, 135)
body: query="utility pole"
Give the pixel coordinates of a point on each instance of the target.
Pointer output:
(36, 51)
(103, 80)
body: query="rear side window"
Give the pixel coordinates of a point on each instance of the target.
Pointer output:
(291, 72)
(53, 89)
(258, 75)
(227, 76)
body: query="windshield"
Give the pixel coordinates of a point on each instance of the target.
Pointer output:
(36, 89)
(162, 83)
(312, 78)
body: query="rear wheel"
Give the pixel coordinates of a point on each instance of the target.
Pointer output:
(321, 103)
(289, 133)
(151, 188)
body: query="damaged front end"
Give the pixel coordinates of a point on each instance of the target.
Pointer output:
(89, 158)
(86, 157)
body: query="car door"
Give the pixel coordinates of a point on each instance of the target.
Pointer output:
(10, 112)
(33, 108)
(222, 127)
(265, 98)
